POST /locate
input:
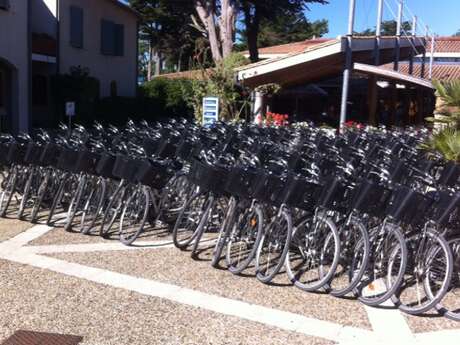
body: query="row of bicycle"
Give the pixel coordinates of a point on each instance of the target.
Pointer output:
(362, 213)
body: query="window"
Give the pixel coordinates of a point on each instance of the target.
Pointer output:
(39, 90)
(76, 27)
(4, 5)
(112, 38)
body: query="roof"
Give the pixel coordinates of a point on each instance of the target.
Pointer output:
(43, 44)
(126, 7)
(321, 60)
(445, 45)
(441, 72)
(293, 47)
(387, 73)
(193, 74)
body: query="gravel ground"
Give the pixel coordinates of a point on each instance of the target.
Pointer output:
(176, 267)
(35, 299)
(59, 236)
(430, 322)
(11, 227)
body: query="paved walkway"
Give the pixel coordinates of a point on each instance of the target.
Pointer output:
(383, 326)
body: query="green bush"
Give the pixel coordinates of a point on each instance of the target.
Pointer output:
(79, 87)
(169, 94)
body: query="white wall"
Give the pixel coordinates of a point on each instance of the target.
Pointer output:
(14, 49)
(122, 69)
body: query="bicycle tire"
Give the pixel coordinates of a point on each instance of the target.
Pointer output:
(267, 278)
(7, 193)
(258, 227)
(195, 204)
(352, 277)
(316, 241)
(439, 246)
(96, 198)
(141, 198)
(391, 288)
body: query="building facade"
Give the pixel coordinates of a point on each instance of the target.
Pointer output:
(50, 37)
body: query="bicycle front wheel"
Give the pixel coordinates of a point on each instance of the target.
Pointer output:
(134, 215)
(428, 274)
(244, 239)
(273, 247)
(385, 270)
(314, 253)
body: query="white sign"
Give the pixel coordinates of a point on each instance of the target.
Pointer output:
(70, 108)
(210, 110)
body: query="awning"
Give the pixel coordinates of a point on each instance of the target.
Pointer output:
(387, 74)
(322, 61)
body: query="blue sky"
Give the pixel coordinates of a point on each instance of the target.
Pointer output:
(443, 16)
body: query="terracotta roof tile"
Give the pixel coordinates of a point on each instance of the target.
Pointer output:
(294, 47)
(443, 72)
(445, 45)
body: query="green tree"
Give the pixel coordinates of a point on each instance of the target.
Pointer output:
(446, 137)
(286, 29)
(457, 34)
(388, 29)
(256, 12)
(166, 30)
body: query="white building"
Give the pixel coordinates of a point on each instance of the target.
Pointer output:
(40, 38)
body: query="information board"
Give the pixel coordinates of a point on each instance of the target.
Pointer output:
(210, 110)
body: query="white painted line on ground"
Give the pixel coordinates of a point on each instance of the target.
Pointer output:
(97, 247)
(387, 322)
(272, 317)
(444, 337)
(27, 236)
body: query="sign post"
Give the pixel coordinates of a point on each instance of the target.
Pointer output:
(70, 111)
(210, 110)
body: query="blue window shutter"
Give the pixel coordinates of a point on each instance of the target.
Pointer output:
(76, 27)
(119, 39)
(107, 37)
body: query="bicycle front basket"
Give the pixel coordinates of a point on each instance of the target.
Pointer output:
(67, 159)
(153, 174)
(49, 155)
(4, 149)
(105, 166)
(370, 198)
(16, 153)
(408, 206)
(450, 175)
(240, 182)
(301, 193)
(87, 162)
(446, 208)
(269, 188)
(333, 194)
(33, 154)
(208, 177)
(126, 168)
